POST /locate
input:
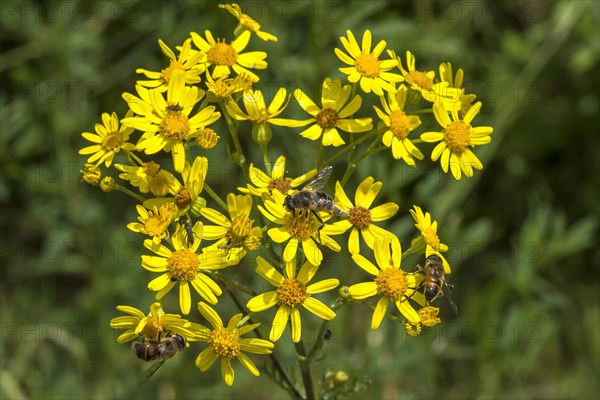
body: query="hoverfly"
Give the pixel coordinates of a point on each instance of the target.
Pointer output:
(160, 350)
(434, 283)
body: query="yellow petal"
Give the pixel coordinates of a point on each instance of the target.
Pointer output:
(262, 301)
(379, 312)
(226, 369)
(248, 364)
(279, 323)
(323, 286)
(318, 308)
(211, 315)
(206, 359)
(363, 290)
(365, 264)
(296, 324)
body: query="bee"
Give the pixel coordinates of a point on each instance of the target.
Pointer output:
(175, 107)
(311, 199)
(434, 283)
(160, 350)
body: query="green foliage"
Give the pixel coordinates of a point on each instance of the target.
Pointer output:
(521, 233)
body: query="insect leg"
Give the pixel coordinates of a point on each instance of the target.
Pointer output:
(320, 226)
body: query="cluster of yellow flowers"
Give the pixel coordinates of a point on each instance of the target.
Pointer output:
(190, 243)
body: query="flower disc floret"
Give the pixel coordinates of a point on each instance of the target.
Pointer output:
(391, 283)
(225, 342)
(300, 226)
(183, 265)
(360, 217)
(222, 53)
(327, 118)
(291, 293)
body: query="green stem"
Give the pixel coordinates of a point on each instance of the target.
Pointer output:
(129, 192)
(320, 156)
(305, 371)
(232, 125)
(351, 145)
(233, 283)
(423, 111)
(216, 198)
(318, 344)
(266, 158)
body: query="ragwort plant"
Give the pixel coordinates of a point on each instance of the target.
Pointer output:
(191, 247)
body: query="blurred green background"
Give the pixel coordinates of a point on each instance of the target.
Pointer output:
(522, 234)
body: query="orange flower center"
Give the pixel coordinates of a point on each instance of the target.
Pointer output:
(183, 198)
(152, 329)
(391, 283)
(225, 342)
(174, 126)
(222, 53)
(367, 65)
(399, 124)
(159, 184)
(421, 80)
(457, 136)
(291, 293)
(360, 217)
(300, 226)
(183, 265)
(281, 184)
(156, 225)
(113, 141)
(165, 74)
(327, 118)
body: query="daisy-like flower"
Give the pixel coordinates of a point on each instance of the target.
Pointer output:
(154, 222)
(296, 228)
(456, 139)
(232, 233)
(246, 23)
(109, 139)
(292, 292)
(399, 126)
(225, 57)
(182, 265)
(264, 183)
(366, 67)
(226, 343)
(166, 123)
(361, 217)
(149, 177)
(333, 115)
(423, 82)
(391, 282)
(187, 195)
(223, 88)
(191, 63)
(466, 99)
(429, 240)
(152, 326)
(260, 115)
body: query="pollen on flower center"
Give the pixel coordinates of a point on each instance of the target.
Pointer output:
(183, 264)
(156, 225)
(432, 238)
(152, 328)
(327, 118)
(240, 227)
(183, 198)
(113, 141)
(165, 74)
(360, 217)
(222, 53)
(300, 226)
(367, 65)
(391, 283)
(399, 124)
(225, 342)
(291, 293)
(281, 184)
(159, 184)
(151, 168)
(175, 126)
(421, 80)
(457, 135)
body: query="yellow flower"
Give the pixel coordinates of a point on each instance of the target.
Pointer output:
(186, 195)
(429, 238)
(296, 228)
(456, 138)
(391, 282)
(232, 232)
(246, 23)
(166, 123)
(223, 87)
(292, 292)
(365, 65)
(399, 126)
(182, 265)
(333, 115)
(207, 138)
(423, 82)
(152, 326)
(109, 139)
(91, 174)
(191, 63)
(360, 216)
(154, 222)
(259, 114)
(225, 57)
(226, 343)
(429, 316)
(264, 183)
(466, 100)
(149, 177)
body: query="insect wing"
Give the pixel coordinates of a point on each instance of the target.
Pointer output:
(319, 181)
(149, 372)
(448, 295)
